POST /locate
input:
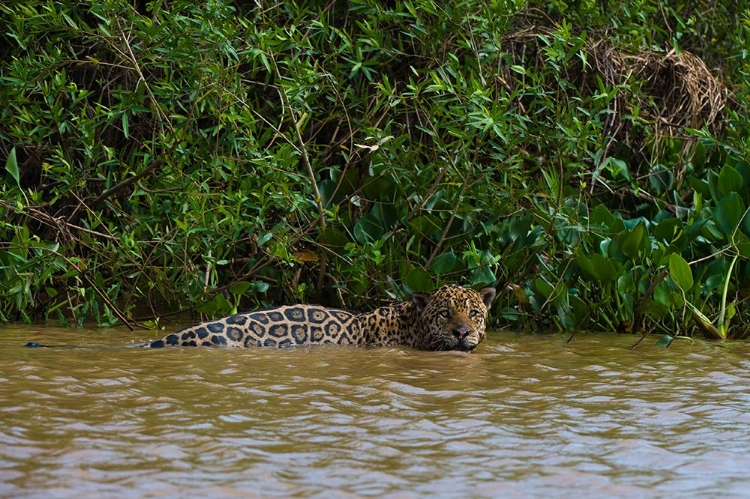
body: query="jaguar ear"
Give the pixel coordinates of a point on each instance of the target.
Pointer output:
(421, 300)
(488, 296)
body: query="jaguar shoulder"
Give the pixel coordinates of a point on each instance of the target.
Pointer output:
(449, 318)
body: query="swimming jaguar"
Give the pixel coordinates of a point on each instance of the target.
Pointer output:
(449, 318)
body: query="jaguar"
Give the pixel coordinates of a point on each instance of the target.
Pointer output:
(449, 318)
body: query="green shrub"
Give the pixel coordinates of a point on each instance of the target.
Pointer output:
(226, 155)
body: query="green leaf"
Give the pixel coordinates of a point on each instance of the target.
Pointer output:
(631, 241)
(654, 308)
(209, 308)
(742, 244)
(419, 280)
(482, 276)
(626, 285)
(699, 186)
(580, 310)
(670, 230)
(713, 185)
(665, 341)
(381, 189)
(223, 305)
(443, 263)
(126, 125)
(544, 287)
(605, 269)
(566, 315)
(519, 227)
(617, 168)
(588, 269)
(368, 229)
(728, 213)
(239, 288)
(680, 271)
(426, 225)
(387, 214)
(601, 217)
(334, 237)
(663, 294)
(731, 311)
(730, 180)
(661, 179)
(11, 169)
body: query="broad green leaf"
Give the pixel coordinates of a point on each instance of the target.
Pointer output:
(710, 230)
(208, 307)
(11, 168)
(663, 294)
(426, 225)
(260, 286)
(626, 285)
(588, 269)
(387, 214)
(742, 244)
(601, 217)
(543, 287)
(699, 186)
(443, 263)
(580, 309)
(680, 271)
(605, 269)
(519, 227)
(654, 308)
(728, 213)
(731, 311)
(239, 288)
(264, 238)
(730, 180)
(224, 307)
(482, 276)
(368, 229)
(669, 231)
(381, 189)
(664, 341)
(714, 281)
(419, 280)
(334, 237)
(328, 192)
(617, 168)
(661, 179)
(566, 315)
(630, 242)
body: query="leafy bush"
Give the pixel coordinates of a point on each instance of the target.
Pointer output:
(223, 155)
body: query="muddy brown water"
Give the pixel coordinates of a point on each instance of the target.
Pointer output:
(523, 416)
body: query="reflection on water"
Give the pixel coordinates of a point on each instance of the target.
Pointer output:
(523, 416)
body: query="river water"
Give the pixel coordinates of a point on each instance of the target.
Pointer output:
(522, 416)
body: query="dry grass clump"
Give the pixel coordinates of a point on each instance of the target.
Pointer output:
(677, 90)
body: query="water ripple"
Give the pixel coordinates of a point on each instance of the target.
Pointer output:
(524, 416)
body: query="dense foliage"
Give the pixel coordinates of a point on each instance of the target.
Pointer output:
(590, 159)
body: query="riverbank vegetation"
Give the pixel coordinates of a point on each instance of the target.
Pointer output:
(588, 158)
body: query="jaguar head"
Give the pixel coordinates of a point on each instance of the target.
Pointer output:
(453, 317)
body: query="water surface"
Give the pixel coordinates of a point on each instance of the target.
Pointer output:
(523, 416)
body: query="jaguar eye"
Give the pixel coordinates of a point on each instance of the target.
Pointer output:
(445, 314)
(474, 314)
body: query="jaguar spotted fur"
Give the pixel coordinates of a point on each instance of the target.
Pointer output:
(449, 318)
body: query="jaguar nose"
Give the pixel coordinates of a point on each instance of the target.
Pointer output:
(461, 332)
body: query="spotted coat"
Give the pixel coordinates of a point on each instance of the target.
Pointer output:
(450, 318)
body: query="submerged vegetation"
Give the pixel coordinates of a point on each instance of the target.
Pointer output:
(591, 160)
